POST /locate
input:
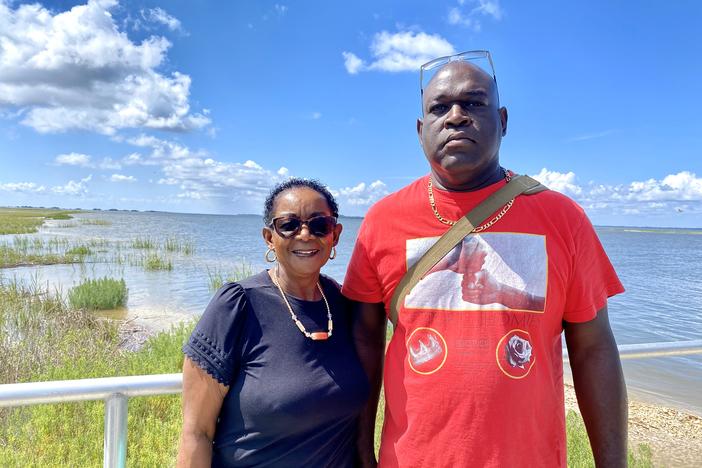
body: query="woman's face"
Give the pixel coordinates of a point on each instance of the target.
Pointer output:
(303, 254)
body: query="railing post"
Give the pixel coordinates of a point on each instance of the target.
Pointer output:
(115, 448)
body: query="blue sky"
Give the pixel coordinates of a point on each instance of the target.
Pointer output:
(202, 106)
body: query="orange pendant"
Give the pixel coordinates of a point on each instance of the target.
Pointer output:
(317, 336)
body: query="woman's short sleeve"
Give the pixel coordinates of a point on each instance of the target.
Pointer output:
(215, 344)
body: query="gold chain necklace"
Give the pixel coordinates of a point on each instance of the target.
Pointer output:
(316, 336)
(482, 227)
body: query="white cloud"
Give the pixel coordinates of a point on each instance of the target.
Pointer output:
(489, 8)
(109, 164)
(467, 14)
(73, 159)
(316, 115)
(402, 51)
(280, 9)
(591, 136)
(455, 16)
(122, 178)
(352, 63)
(73, 188)
(681, 192)
(362, 194)
(28, 187)
(564, 183)
(83, 160)
(76, 70)
(160, 16)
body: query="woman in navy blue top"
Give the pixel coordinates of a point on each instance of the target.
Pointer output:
(271, 376)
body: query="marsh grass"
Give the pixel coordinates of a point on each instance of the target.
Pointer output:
(39, 331)
(154, 262)
(173, 244)
(28, 220)
(217, 277)
(94, 222)
(14, 257)
(99, 294)
(71, 434)
(145, 243)
(80, 250)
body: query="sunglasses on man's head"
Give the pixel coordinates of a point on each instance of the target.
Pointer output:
(290, 226)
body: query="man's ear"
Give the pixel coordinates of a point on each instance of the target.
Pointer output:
(503, 120)
(420, 124)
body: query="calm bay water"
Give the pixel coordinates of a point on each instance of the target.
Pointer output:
(661, 270)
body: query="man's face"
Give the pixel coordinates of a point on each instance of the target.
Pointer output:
(462, 125)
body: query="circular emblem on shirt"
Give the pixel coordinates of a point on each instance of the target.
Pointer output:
(514, 354)
(426, 350)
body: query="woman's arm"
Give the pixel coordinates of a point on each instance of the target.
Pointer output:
(202, 400)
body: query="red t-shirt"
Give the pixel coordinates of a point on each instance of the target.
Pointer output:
(474, 371)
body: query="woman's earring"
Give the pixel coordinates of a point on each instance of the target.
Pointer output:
(333, 253)
(267, 256)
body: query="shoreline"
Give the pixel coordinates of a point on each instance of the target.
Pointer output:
(674, 435)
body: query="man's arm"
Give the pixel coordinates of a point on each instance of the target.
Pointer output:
(599, 387)
(370, 324)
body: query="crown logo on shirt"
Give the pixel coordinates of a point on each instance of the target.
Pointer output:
(424, 352)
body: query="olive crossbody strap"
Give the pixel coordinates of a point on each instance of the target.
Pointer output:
(518, 185)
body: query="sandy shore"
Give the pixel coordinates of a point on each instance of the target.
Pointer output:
(675, 437)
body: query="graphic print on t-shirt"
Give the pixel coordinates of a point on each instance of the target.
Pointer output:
(514, 354)
(427, 350)
(493, 271)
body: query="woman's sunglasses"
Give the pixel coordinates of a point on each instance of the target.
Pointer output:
(290, 226)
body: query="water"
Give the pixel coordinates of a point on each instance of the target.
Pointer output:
(661, 270)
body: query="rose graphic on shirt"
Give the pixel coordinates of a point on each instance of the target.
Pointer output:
(515, 353)
(518, 351)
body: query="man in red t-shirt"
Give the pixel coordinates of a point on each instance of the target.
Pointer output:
(474, 373)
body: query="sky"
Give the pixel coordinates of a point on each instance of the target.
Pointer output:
(203, 106)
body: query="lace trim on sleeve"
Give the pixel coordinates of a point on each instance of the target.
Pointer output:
(208, 357)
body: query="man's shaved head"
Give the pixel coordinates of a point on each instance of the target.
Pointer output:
(462, 126)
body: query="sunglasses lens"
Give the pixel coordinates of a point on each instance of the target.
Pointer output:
(287, 227)
(321, 226)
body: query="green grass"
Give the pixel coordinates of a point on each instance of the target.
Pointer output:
(95, 222)
(99, 294)
(144, 243)
(580, 454)
(27, 220)
(216, 278)
(173, 244)
(153, 262)
(14, 257)
(80, 250)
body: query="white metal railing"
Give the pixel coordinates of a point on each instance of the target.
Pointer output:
(116, 391)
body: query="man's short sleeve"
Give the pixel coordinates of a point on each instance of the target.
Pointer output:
(215, 344)
(593, 279)
(361, 281)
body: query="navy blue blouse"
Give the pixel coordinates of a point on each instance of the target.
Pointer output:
(291, 401)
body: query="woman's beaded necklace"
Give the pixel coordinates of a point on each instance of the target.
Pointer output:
(316, 336)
